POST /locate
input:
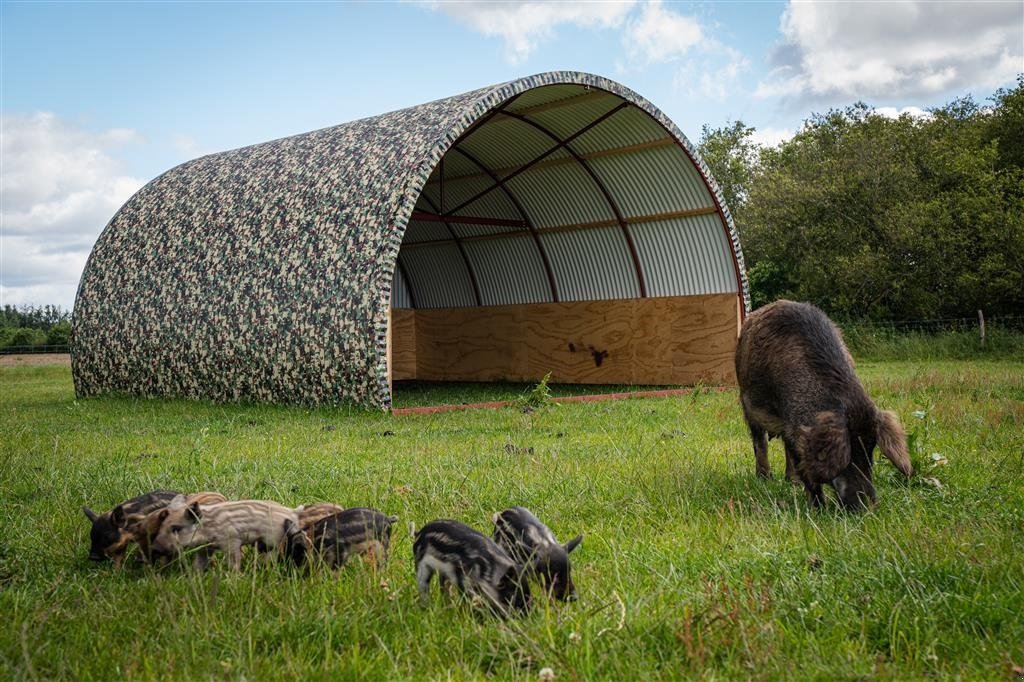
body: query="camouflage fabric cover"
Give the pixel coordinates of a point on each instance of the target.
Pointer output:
(264, 273)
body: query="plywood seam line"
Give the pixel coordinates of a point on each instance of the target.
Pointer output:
(564, 144)
(462, 249)
(525, 167)
(526, 219)
(405, 276)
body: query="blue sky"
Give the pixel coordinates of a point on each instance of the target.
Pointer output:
(98, 98)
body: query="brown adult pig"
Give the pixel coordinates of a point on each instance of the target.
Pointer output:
(797, 383)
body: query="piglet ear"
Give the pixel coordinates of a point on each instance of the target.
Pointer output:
(195, 511)
(90, 514)
(118, 518)
(574, 543)
(177, 502)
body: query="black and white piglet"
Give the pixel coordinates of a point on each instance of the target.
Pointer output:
(473, 562)
(532, 545)
(359, 530)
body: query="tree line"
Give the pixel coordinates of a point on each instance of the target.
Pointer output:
(879, 218)
(34, 326)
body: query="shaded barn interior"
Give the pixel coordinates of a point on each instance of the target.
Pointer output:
(569, 232)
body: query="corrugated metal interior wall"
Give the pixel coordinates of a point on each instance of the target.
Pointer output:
(565, 194)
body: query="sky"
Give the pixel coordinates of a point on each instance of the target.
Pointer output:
(96, 99)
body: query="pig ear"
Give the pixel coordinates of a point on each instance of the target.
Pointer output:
(892, 441)
(574, 543)
(195, 512)
(177, 502)
(118, 518)
(90, 514)
(160, 516)
(826, 448)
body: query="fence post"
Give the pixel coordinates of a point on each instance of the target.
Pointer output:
(981, 325)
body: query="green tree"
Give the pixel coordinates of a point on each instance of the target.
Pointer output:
(731, 155)
(59, 334)
(28, 337)
(869, 216)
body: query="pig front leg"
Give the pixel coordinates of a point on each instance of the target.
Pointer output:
(792, 460)
(233, 550)
(424, 574)
(201, 560)
(759, 438)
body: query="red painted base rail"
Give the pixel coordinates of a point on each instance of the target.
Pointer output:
(597, 397)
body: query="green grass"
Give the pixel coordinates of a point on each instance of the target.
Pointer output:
(691, 566)
(877, 343)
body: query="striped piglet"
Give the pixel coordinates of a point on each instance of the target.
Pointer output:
(144, 528)
(109, 535)
(229, 526)
(532, 545)
(359, 530)
(473, 562)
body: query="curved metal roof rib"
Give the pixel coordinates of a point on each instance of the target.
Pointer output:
(266, 273)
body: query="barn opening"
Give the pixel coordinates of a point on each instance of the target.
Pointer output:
(567, 231)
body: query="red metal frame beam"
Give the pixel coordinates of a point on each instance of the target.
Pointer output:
(527, 223)
(466, 219)
(461, 247)
(564, 144)
(560, 144)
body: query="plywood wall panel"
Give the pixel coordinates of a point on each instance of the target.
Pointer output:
(403, 344)
(670, 340)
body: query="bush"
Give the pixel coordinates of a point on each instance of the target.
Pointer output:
(25, 336)
(59, 334)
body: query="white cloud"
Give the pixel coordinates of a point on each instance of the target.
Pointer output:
(704, 66)
(524, 25)
(61, 184)
(658, 35)
(895, 49)
(771, 137)
(715, 75)
(913, 112)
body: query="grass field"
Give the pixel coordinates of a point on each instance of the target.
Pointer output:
(691, 567)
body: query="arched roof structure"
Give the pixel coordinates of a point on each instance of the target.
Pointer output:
(267, 273)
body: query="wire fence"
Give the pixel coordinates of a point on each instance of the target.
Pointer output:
(940, 325)
(35, 350)
(1008, 323)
